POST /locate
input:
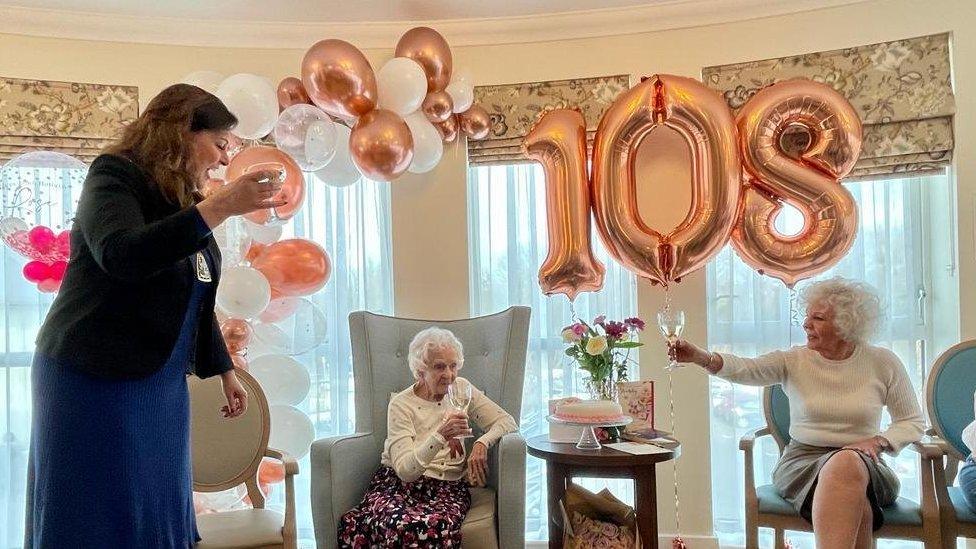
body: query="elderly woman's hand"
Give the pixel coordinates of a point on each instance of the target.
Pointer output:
(685, 351)
(455, 424)
(478, 465)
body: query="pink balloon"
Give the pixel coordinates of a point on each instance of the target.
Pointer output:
(35, 271)
(56, 271)
(280, 308)
(42, 238)
(49, 286)
(63, 243)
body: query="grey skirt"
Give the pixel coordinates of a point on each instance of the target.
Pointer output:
(796, 473)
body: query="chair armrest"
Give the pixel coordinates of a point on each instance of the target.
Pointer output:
(341, 468)
(928, 450)
(747, 443)
(289, 530)
(748, 440)
(510, 490)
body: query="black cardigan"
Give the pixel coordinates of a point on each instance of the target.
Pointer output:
(125, 293)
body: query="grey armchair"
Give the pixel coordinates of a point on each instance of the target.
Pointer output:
(494, 361)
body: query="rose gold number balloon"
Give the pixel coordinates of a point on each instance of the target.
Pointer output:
(291, 91)
(339, 79)
(809, 182)
(427, 47)
(558, 142)
(259, 158)
(381, 145)
(704, 120)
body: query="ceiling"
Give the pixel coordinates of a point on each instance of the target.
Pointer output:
(348, 11)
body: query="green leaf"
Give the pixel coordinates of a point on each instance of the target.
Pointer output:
(628, 345)
(571, 352)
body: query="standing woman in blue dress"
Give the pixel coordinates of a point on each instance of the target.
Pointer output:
(110, 449)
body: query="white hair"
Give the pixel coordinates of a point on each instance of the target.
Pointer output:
(856, 306)
(427, 340)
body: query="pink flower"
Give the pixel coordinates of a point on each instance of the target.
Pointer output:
(635, 323)
(600, 320)
(578, 329)
(615, 329)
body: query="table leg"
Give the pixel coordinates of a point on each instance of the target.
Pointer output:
(645, 498)
(556, 476)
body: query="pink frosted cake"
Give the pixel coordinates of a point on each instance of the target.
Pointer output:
(590, 411)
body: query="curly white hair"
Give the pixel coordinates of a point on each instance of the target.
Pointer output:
(856, 306)
(427, 340)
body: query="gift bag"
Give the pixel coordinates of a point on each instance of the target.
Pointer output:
(597, 520)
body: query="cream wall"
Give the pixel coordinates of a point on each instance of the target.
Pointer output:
(429, 212)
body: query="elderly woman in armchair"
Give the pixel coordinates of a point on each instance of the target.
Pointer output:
(832, 471)
(419, 496)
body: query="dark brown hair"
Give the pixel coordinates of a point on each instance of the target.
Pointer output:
(157, 141)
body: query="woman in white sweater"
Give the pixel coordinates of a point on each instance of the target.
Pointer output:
(419, 496)
(832, 471)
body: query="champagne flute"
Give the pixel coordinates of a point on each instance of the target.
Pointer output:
(460, 397)
(671, 324)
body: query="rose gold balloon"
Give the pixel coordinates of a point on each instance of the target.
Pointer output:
(237, 334)
(381, 145)
(339, 79)
(475, 122)
(558, 142)
(291, 91)
(239, 361)
(427, 47)
(448, 129)
(438, 106)
(294, 267)
(807, 179)
(704, 120)
(259, 158)
(253, 251)
(280, 308)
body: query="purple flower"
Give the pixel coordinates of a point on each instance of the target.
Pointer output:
(615, 329)
(635, 323)
(600, 320)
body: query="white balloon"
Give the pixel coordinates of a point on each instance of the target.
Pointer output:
(341, 171)
(462, 93)
(462, 74)
(401, 85)
(263, 234)
(283, 379)
(298, 333)
(233, 240)
(291, 431)
(207, 80)
(307, 134)
(243, 292)
(253, 100)
(428, 146)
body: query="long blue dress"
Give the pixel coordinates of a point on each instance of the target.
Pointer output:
(110, 459)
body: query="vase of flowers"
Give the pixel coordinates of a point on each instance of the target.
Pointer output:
(602, 350)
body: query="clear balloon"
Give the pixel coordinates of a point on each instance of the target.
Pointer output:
(254, 102)
(401, 85)
(280, 308)
(381, 145)
(427, 47)
(704, 120)
(558, 142)
(307, 134)
(263, 234)
(283, 379)
(301, 331)
(341, 171)
(427, 143)
(205, 80)
(807, 179)
(233, 240)
(339, 79)
(294, 267)
(462, 95)
(291, 431)
(260, 158)
(243, 292)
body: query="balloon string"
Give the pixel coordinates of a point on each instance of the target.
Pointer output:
(674, 462)
(794, 313)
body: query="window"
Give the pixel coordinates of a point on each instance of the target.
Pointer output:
(901, 249)
(508, 242)
(351, 223)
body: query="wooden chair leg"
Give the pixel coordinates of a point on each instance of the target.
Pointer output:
(752, 535)
(780, 539)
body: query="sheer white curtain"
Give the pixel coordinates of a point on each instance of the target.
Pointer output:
(508, 242)
(351, 223)
(749, 314)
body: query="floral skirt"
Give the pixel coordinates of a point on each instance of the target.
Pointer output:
(424, 513)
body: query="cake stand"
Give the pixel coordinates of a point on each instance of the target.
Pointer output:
(588, 440)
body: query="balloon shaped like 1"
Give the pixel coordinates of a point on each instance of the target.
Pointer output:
(808, 180)
(558, 142)
(704, 120)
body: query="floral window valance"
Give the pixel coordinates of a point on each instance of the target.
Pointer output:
(514, 109)
(69, 117)
(901, 89)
